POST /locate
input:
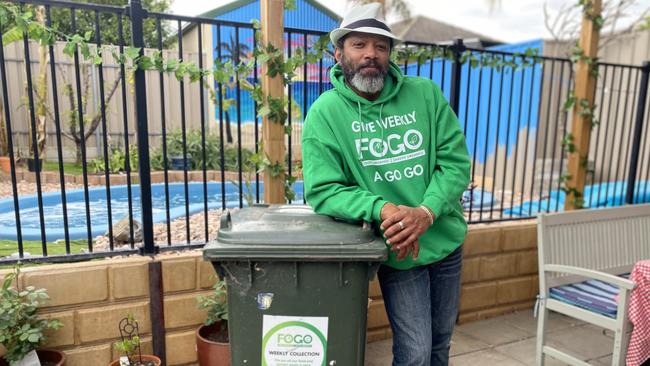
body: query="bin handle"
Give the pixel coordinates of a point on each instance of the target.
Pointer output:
(226, 221)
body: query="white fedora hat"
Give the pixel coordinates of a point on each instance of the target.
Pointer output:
(365, 19)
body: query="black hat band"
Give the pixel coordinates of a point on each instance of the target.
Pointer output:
(368, 23)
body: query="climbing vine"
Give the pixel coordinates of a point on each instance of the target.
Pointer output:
(583, 107)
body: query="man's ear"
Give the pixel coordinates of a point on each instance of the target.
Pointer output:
(337, 54)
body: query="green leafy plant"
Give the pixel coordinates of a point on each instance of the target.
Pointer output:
(116, 161)
(129, 346)
(216, 304)
(194, 148)
(130, 341)
(21, 330)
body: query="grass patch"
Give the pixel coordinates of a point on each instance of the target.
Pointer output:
(8, 247)
(68, 168)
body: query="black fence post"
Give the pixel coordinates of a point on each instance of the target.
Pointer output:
(137, 15)
(454, 92)
(638, 129)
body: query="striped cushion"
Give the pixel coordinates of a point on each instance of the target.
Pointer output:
(593, 295)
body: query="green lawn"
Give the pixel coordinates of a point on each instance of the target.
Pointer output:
(8, 247)
(69, 168)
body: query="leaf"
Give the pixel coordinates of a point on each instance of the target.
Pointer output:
(16, 33)
(264, 111)
(290, 5)
(171, 65)
(132, 52)
(34, 338)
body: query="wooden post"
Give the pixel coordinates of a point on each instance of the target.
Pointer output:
(272, 12)
(585, 85)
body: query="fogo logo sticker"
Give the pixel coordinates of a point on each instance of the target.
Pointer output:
(295, 341)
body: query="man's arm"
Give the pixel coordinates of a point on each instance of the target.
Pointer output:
(327, 188)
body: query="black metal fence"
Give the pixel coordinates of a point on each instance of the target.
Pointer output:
(510, 109)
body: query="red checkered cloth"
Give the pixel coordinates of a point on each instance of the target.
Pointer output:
(639, 313)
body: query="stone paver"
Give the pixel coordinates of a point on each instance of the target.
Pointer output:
(494, 331)
(462, 343)
(379, 353)
(510, 340)
(485, 357)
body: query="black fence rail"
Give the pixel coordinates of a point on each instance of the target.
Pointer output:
(159, 156)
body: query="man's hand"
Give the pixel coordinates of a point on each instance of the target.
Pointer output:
(404, 228)
(388, 210)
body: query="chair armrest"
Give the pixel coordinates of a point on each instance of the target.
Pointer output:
(597, 275)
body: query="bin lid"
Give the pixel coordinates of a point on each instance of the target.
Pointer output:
(292, 232)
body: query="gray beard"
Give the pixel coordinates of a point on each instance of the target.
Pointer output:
(367, 84)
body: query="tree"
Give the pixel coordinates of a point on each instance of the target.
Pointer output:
(11, 32)
(40, 90)
(108, 22)
(234, 52)
(61, 21)
(565, 24)
(91, 122)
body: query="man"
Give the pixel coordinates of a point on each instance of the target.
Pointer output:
(388, 149)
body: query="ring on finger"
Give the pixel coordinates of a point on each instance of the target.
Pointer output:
(401, 225)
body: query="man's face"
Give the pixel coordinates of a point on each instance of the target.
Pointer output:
(364, 60)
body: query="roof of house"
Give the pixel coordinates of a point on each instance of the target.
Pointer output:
(426, 30)
(239, 3)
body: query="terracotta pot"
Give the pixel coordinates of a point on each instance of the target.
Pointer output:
(153, 358)
(5, 164)
(53, 357)
(211, 353)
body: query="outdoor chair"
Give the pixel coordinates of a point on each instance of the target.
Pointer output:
(584, 257)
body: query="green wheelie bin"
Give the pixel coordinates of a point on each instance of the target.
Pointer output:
(297, 285)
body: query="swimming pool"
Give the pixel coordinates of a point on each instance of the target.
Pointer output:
(76, 208)
(608, 194)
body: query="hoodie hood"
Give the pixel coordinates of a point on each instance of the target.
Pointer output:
(392, 84)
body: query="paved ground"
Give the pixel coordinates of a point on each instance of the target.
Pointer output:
(509, 340)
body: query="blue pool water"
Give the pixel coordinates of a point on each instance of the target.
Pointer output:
(607, 194)
(76, 208)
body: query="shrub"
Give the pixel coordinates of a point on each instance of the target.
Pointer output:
(21, 331)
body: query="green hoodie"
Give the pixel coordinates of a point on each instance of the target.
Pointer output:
(405, 147)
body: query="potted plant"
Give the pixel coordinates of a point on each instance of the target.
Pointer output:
(21, 331)
(212, 342)
(130, 346)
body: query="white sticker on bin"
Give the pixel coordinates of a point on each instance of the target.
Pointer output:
(264, 300)
(291, 340)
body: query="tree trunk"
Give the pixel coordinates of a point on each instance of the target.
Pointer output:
(228, 129)
(41, 85)
(77, 148)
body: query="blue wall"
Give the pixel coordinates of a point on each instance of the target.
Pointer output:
(306, 16)
(492, 102)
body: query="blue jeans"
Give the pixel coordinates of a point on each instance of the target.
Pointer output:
(422, 304)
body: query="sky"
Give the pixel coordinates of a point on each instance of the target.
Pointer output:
(513, 21)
